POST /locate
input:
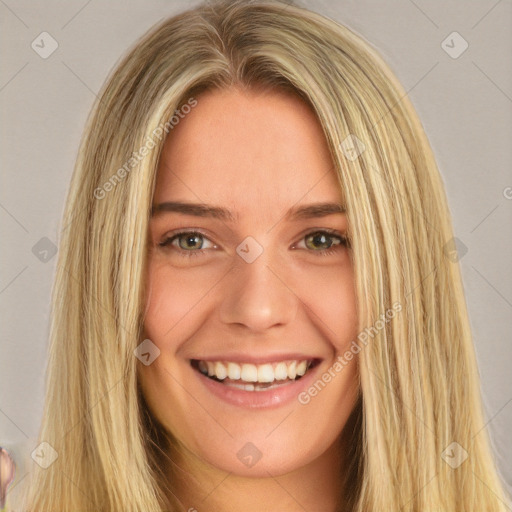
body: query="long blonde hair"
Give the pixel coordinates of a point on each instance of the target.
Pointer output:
(419, 380)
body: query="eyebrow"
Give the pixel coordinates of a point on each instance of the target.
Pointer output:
(310, 211)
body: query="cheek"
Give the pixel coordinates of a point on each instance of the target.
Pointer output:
(173, 302)
(330, 299)
(171, 296)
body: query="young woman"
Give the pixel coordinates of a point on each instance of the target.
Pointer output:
(253, 307)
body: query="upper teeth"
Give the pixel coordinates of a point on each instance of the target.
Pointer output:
(248, 372)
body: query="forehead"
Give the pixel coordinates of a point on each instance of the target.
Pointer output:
(247, 148)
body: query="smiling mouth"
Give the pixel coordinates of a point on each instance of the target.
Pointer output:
(254, 377)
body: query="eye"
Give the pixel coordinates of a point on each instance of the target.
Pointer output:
(192, 243)
(188, 243)
(325, 242)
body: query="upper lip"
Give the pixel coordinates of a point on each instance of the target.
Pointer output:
(257, 359)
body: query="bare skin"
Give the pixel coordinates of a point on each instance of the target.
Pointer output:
(258, 155)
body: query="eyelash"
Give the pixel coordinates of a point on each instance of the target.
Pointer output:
(198, 252)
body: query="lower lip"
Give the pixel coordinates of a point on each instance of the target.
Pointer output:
(258, 399)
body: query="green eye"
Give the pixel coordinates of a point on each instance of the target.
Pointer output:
(193, 239)
(321, 238)
(191, 243)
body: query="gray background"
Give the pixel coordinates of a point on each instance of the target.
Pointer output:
(465, 105)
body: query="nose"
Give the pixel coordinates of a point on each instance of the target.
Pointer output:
(258, 296)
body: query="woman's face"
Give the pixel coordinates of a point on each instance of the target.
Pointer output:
(252, 289)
